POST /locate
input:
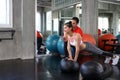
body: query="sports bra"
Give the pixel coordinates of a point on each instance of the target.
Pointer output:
(73, 41)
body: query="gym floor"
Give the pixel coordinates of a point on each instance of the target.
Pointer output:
(17, 69)
(42, 68)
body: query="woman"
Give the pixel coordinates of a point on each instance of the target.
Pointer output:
(76, 29)
(75, 40)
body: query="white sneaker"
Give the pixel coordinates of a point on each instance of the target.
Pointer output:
(107, 60)
(115, 59)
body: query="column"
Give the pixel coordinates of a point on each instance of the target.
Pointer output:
(28, 31)
(90, 17)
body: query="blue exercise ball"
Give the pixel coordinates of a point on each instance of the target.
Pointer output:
(118, 48)
(51, 43)
(118, 37)
(60, 46)
(68, 65)
(91, 70)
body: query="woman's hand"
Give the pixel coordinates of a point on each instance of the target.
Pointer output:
(64, 39)
(70, 59)
(75, 60)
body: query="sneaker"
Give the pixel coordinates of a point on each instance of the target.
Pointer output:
(107, 60)
(115, 59)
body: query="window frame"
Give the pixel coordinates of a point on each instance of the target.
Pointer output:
(10, 24)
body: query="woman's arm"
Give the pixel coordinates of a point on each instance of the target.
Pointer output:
(65, 37)
(69, 51)
(77, 47)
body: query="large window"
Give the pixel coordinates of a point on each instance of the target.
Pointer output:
(38, 21)
(67, 12)
(5, 13)
(103, 23)
(119, 27)
(49, 21)
(55, 25)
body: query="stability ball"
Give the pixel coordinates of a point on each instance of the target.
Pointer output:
(51, 43)
(118, 48)
(99, 32)
(107, 36)
(91, 70)
(60, 46)
(118, 37)
(68, 66)
(76, 66)
(88, 38)
(85, 56)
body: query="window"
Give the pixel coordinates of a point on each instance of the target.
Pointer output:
(49, 21)
(67, 12)
(38, 21)
(5, 13)
(119, 26)
(103, 23)
(55, 25)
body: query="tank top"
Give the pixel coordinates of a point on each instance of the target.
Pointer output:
(73, 41)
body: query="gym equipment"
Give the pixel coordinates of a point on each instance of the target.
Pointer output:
(91, 70)
(85, 56)
(60, 46)
(118, 37)
(108, 70)
(88, 38)
(51, 43)
(105, 37)
(99, 32)
(118, 48)
(76, 66)
(67, 66)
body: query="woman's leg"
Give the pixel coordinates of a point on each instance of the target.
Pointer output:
(93, 49)
(65, 49)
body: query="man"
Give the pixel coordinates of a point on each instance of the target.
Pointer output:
(76, 29)
(39, 41)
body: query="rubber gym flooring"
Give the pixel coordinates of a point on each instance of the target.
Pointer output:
(43, 68)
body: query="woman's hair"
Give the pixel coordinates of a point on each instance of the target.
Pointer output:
(69, 24)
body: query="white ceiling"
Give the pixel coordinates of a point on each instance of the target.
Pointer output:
(44, 3)
(47, 3)
(117, 2)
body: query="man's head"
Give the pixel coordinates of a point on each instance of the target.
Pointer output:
(75, 21)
